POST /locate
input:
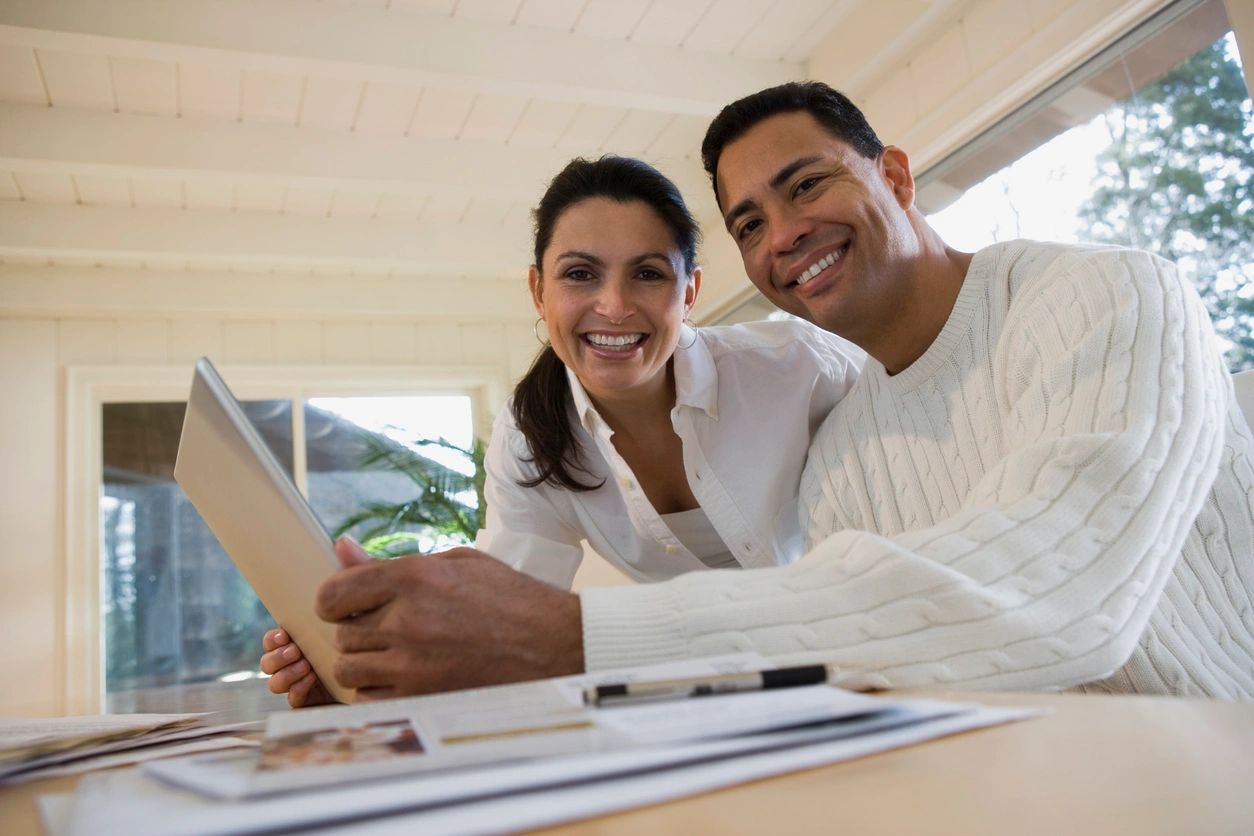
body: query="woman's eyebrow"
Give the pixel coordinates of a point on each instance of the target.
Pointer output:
(643, 257)
(579, 255)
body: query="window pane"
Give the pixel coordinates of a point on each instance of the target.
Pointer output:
(1151, 148)
(372, 457)
(176, 610)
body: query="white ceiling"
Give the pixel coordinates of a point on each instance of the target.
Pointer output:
(404, 137)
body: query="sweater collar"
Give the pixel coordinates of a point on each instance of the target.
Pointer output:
(974, 285)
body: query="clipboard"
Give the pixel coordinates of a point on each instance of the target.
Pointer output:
(258, 515)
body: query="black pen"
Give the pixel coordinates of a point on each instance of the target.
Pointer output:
(630, 693)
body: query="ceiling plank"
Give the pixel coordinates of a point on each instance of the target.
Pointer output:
(72, 142)
(292, 37)
(29, 290)
(259, 240)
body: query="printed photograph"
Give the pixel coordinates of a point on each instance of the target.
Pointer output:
(347, 744)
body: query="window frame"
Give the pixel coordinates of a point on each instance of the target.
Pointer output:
(80, 651)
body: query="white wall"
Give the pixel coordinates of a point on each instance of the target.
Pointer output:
(37, 351)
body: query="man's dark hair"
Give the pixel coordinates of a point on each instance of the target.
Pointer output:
(830, 108)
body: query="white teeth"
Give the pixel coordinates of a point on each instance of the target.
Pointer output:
(614, 341)
(820, 265)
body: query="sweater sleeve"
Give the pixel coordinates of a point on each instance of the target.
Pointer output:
(1110, 392)
(523, 528)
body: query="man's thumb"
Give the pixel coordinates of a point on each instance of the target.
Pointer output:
(350, 552)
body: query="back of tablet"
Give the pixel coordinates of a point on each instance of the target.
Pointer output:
(258, 515)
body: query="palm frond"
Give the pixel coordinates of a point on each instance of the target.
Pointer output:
(438, 507)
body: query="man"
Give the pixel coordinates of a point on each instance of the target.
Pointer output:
(1042, 480)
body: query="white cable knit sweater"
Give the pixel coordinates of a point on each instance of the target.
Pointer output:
(1059, 493)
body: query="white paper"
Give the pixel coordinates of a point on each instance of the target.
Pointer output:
(532, 720)
(33, 747)
(19, 734)
(133, 756)
(550, 807)
(133, 803)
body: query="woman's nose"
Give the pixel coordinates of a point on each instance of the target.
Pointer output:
(614, 302)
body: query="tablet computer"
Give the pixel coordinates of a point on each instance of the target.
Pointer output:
(260, 518)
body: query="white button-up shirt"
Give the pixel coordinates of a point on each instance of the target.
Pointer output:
(747, 400)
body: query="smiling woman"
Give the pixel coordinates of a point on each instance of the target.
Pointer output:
(667, 448)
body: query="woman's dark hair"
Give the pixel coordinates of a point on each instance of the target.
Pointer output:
(542, 399)
(829, 107)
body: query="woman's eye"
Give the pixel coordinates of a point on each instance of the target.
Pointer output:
(650, 274)
(579, 274)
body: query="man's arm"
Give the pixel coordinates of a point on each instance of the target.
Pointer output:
(1048, 574)
(458, 619)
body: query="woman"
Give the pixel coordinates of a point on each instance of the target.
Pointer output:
(670, 449)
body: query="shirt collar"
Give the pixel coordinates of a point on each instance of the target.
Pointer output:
(696, 380)
(696, 376)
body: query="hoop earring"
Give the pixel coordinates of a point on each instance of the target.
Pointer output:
(535, 329)
(693, 330)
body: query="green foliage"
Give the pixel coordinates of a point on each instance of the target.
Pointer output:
(1176, 180)
(437, 509)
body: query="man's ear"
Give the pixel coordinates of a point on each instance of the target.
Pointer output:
(896, 167)
(691, 291)
(536, 285)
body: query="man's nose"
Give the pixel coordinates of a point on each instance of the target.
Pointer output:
(788, 230)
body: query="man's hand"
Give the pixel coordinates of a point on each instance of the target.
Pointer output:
(290, 672)
(458, 619)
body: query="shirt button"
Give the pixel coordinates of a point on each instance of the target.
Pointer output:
(671, 549)
(626, 484)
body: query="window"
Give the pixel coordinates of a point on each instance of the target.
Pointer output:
(1148, 145)
(175, 608)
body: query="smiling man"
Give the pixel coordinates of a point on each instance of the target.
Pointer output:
(1040, 481)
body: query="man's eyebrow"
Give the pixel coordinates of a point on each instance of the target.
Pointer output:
(781, 177)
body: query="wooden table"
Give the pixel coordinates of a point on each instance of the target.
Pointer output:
(1096, 764)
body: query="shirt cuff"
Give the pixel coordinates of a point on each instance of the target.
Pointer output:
(631, 625)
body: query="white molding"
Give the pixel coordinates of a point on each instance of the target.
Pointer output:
(394, 45)
(1069, 40)
(88, 388)
(118, 293)
(29, 230)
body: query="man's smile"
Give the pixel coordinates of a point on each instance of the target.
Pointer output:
(809, 272)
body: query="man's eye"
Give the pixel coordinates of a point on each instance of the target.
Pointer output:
(746, 229)
(807, 184)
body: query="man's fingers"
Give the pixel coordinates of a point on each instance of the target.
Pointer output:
(298, 694)
(274, 639)
(358, 589)
(365, 670)
(372, 694)
(350, 552)
(276, 660)
(287, 677)
(359, 635)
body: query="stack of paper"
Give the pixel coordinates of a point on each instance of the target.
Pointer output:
(39, 748)
(442, 763)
